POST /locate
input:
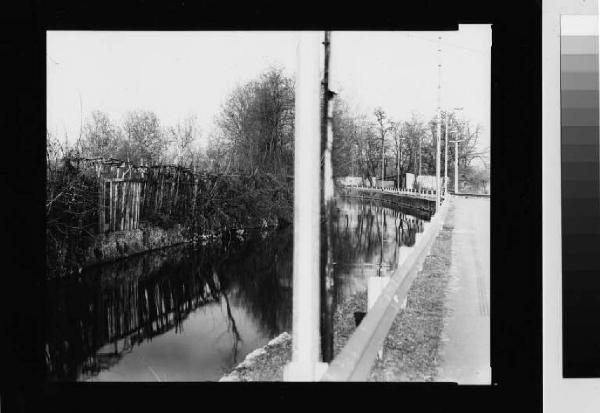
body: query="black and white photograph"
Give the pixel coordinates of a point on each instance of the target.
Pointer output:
(271, 206)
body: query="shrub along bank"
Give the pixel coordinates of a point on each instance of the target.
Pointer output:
(177, 206)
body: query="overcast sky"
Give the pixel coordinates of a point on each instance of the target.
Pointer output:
(176, 74)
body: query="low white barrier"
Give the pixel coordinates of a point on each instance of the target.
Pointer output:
(425, 194)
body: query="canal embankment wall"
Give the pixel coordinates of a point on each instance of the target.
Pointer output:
(116, 245)
(420, 205)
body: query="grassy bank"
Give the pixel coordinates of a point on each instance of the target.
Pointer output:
(411, 348)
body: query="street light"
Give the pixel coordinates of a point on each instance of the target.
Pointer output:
(455, 159)
(439, 133)
(446, 157)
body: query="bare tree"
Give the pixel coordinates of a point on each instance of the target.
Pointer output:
(415, 133)
(346, 141)
(181, 139)
(383, 127)
(396, 130)
(144, 139)
(101, 138)
(256, 124)
(357, 143)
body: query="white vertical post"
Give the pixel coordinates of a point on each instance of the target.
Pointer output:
(437, 161)
(446, 157)
(456, 156)
(439, 133)
(305, 365)
(456, 167)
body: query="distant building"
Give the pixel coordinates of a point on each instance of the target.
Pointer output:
(350, 180)
(409, 181)
(426, 182)
(357, 180)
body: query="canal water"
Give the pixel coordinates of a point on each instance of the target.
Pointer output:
(193, 313)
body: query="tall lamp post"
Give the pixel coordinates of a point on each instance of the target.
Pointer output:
(446, 155)
(456, 166)
(455, 160)
(399, 152)
(439, 134)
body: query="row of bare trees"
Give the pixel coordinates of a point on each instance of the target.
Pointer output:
(409, 146)
(139, 138)
(254, 133)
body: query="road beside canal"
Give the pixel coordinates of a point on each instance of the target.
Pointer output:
(443, 334)
(465, 352)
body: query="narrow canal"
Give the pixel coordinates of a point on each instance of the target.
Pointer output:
(193, 313)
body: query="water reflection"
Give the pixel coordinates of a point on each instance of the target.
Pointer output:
(193, 314)
(96, 320)
(370, 240)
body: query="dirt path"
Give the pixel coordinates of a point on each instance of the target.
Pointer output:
(465, 349)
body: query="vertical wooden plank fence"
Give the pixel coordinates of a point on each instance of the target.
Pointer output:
(119, 204)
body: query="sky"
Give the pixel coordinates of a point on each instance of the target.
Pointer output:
(178, 74)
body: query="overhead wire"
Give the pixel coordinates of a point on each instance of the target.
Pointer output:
(443, 41)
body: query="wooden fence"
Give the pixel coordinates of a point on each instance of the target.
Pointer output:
(126, 195)
(119, 204)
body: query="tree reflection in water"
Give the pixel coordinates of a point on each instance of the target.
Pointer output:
(95, 320)
(369, 238)
(123, 304)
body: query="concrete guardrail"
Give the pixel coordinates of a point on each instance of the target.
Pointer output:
(356, 359)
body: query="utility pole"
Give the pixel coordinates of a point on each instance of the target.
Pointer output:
(327, 279)
(456, 167)
(420, 142)
(382, 154)
(305, 364)
(399, 151)
(446, 156)
(439, 131)
(328, 124)
(456, 141)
